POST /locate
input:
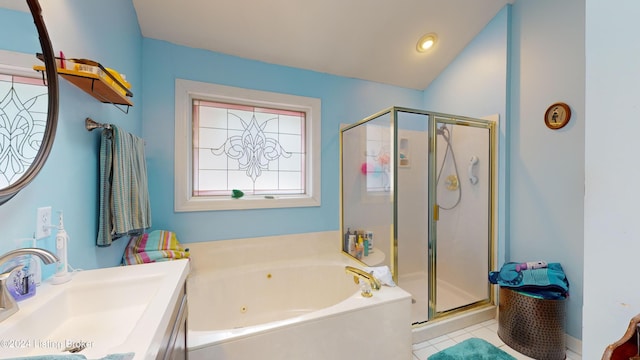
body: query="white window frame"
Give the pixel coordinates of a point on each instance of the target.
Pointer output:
(19, 64)
(186, 91)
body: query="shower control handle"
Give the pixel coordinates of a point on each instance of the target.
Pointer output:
(473, 179)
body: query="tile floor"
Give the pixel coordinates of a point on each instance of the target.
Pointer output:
(486, 330)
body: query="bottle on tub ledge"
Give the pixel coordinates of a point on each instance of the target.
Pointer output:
(358, 243)
(352, 244)
(359, 246)
(365, 245)
(345, 244)
(363, 250)
(369, 237)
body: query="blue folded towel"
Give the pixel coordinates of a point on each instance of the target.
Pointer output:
(547, 283)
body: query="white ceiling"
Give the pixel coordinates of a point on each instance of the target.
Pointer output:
(366, 39)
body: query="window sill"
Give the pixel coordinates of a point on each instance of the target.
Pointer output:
(244, 203)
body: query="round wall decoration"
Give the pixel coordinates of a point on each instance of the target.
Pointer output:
(557, 116)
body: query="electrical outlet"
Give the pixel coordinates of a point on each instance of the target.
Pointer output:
(43, 222)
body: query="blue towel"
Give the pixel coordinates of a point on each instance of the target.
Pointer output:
(124, 194)
(547, 283)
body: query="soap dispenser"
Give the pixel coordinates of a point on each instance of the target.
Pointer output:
(62, 274)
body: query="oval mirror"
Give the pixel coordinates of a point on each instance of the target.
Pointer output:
(25, 142)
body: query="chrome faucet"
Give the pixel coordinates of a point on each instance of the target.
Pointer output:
(371, 281)
(8, 305)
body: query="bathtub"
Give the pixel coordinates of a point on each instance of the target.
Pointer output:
(305, 308)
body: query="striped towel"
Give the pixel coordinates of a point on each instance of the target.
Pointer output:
(124, 196)
(156, 246)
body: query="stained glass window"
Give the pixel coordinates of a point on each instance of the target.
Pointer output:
(258, 150)
(261, 145)
(23, 116)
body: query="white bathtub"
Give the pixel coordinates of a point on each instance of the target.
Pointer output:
(305, 308)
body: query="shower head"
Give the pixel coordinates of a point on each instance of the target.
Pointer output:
(442, 130)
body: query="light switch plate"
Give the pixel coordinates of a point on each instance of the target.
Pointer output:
(43, 222)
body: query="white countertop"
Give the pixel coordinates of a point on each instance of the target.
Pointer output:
(113, 310)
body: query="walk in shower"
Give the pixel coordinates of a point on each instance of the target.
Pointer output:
(418, 194)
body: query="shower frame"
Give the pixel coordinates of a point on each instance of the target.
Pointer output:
(433, 119)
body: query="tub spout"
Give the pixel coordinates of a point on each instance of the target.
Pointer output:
(369, 278)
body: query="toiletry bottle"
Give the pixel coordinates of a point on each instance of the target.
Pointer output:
(369, 235)
(365, 243)
(345, 244)
(531, 265)
(360, 248)
(352, 244)
(62, 274)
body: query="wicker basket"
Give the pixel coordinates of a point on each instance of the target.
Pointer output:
(531, 326)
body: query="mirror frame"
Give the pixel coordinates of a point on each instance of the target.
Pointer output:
(52, 113)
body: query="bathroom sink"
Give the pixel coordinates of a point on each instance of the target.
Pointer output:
(112, 310)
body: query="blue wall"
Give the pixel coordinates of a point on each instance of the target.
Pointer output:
(19, 33)
(507, 70)
(475, 85)
(547, 167)
(68, 181)
(611, 230)
(343, 101)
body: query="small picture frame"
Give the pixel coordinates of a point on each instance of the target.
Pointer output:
(557, 116)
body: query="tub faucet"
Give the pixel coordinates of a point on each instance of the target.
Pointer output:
(8, 305)
(371, 280)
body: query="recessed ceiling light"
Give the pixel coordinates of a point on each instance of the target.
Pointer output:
(426, 42)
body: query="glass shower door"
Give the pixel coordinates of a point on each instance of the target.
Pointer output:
(460, 241)
(412, 211)
(422, 184)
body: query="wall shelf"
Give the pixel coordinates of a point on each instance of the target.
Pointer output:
(94, 85)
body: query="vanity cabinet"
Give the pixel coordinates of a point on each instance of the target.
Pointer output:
(174, 341)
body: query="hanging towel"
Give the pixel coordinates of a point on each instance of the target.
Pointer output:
(156, 246)
(124, 196)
